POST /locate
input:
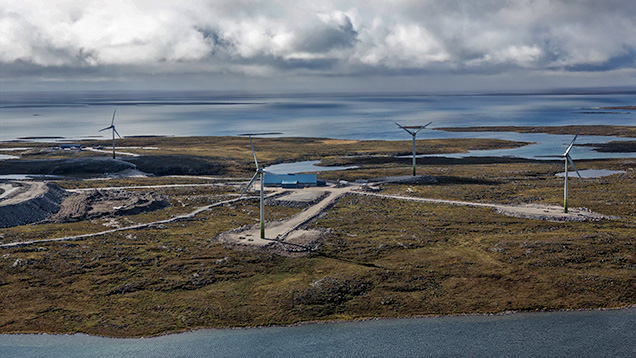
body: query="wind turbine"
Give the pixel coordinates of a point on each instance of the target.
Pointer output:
(567, 159)
(412, 130)
(260, 172)
(112, 125)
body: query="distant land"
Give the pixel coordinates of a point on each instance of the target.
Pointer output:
(629, 108)
(601, 130)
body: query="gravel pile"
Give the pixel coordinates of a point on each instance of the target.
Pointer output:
(40, 206)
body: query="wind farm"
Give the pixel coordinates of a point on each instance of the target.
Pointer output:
(368, 244)
(317, 179)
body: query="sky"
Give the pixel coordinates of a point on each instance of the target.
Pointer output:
(317, 46)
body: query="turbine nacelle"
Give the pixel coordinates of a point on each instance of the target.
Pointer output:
(412, 130)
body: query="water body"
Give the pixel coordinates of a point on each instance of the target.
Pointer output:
(543, 144)
(28, 176)
(80, 115)
(558, 334)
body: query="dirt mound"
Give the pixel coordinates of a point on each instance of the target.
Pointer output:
(98, 203)
(27, 202)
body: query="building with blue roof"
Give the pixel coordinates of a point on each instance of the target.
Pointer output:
(291, 181)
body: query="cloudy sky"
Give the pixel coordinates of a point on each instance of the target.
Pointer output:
(399, 45)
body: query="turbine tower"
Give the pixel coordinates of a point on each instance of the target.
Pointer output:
(112, 126)
(260, 172)
(412, 130)
(567, 159)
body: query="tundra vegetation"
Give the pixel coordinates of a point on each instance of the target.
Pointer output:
(381, 257)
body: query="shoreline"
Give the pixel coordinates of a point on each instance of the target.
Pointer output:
(333, 321)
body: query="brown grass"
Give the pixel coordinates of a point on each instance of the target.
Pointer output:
(382, 258)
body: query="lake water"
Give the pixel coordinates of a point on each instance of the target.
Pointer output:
(308, 166)
(555, 334)
(80, 115)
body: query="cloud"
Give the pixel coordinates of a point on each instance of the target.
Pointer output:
(307, 37)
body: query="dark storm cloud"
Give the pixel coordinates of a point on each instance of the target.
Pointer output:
(327, 38)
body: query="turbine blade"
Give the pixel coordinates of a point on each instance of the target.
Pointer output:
(550, 156)
(422, 127)
(249, 184)
(254, 153)
(115, 130)
(573, 166)
(406, 129)
(112, 122)
(105, 128)
(572, 142)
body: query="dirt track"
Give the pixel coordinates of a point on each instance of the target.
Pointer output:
(289, 231)
(14, 192)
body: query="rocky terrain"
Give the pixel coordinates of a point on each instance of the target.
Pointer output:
(27, 202)
(24, 202)
(93, 204)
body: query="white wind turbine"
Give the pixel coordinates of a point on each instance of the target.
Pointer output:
(260, 172)
(112, 126)
(412, 130)
(567, 159)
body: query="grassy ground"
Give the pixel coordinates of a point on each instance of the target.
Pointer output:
(382, 258)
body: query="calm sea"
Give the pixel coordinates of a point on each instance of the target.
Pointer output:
(353, 116)
(557, 334)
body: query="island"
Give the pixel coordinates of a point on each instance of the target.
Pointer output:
(153, 241)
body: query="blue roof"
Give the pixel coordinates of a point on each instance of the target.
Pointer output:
(291, 178)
